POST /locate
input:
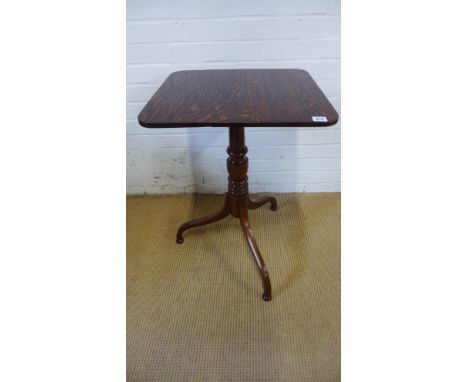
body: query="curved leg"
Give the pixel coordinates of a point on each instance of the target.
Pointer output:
(269, 199)
(244, 219)
(202, 221)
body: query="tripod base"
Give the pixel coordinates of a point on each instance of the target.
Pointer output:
(237, 203)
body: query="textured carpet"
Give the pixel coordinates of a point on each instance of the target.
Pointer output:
(195, 312)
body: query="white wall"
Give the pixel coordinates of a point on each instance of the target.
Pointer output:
(168, 35)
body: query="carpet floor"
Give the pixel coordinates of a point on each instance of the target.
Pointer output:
(195, 312)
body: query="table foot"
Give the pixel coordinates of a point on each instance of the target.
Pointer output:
(257, 204)
(266, 297)
(248, 233)
(202, 221)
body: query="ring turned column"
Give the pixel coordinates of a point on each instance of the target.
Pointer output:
(237, 166)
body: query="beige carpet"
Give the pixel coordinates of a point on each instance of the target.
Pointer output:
(195, 312)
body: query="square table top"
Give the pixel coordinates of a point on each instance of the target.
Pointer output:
(238, 97)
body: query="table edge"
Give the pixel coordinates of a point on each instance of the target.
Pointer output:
(331, 122)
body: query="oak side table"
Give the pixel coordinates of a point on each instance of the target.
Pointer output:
(238, 98)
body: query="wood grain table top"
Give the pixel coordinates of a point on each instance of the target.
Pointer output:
(238, 97)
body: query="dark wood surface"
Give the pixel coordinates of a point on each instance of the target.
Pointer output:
(238, 97)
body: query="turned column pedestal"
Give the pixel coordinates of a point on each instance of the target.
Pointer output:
(237, 202)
